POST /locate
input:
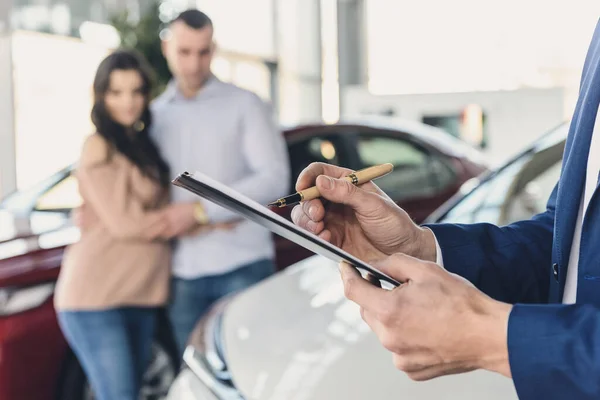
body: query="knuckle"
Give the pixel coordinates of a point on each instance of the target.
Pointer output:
(311, 225)
(301, 219)
(386, 316)
(312, 209)
(349, 188)
(419, 377)
(388, 341)
(306, 206)
(362, 314)
(401, 363)
(414, 376)
(308, 175)
(398, 257)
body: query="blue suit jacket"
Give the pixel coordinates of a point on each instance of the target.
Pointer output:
(554, 349)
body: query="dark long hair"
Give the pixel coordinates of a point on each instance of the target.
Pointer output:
(138, 148)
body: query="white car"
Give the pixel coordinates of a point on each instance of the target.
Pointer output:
(295, 337)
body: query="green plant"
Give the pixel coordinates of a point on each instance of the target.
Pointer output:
(143, 36)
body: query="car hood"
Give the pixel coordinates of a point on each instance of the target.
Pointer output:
(295, 336)
(22, 236)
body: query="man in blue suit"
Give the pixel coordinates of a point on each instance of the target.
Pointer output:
(533, 313)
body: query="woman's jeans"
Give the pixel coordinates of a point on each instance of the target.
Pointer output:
(113, 346)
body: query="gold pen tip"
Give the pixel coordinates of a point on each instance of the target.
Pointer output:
(278, 203)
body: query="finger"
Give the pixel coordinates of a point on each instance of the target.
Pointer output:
(308, 176)
(326, 235)
(343, 192)
(403, 268)
(314, 209)
(360, 290)
(379, 328)
(415, 361)
(302, 220)
(407, 363)
(438, 370)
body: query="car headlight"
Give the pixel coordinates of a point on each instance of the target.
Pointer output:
(14, 300)
(205, 355)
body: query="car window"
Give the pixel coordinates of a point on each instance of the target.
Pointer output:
(61, 197)
(484, 203)
(323, 148)
(532, 199)
(553, 137)
(416, 173)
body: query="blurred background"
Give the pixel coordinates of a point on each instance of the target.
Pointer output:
(494, 74)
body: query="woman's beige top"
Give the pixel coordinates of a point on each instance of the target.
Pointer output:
(120, 259)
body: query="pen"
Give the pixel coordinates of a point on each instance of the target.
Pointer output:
(356, 178)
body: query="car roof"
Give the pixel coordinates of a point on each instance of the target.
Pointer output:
(431, 135)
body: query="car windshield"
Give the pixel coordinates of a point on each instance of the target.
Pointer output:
(25, 199)
(516, 191)
(483, 203)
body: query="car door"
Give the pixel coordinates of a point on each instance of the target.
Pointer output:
(422, 178)
(328, 145)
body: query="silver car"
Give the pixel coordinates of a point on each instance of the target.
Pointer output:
(295, 337)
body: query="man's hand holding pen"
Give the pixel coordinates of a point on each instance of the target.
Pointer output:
(361, 220)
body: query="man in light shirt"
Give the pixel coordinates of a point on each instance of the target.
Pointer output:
(522, 300)
(228, 133)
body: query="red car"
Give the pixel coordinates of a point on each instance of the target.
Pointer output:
(35, 361)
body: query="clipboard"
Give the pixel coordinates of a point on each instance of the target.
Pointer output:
(218, 193)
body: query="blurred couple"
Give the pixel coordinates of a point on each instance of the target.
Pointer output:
(144, 244)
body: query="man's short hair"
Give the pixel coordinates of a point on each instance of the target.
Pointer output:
(193, 18)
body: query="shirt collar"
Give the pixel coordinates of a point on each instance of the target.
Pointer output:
(172, 91)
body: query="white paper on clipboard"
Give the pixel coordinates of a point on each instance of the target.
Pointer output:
(221, 194)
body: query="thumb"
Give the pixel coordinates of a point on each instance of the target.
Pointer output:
(401, 267)
(343, 192)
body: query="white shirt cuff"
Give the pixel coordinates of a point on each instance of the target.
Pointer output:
(439, 260)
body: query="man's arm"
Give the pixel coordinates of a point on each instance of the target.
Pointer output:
(510, 263)
(266, 155)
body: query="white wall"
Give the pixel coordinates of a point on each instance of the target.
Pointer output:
(298, 43)
(435, 46)
(7, 139)
(514, 118)
(53, 78)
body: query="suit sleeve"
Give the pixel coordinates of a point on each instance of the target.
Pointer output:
(554, 351)
(509, 263)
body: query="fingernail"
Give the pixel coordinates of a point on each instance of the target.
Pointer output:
(311, 211)
(326, 182)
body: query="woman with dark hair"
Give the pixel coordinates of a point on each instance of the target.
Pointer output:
(112, 281)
